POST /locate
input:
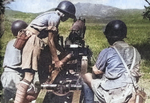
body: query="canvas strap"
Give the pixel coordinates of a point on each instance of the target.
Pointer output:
(132, 65)
(129, 73)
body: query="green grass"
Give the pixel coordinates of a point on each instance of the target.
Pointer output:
(138, 34)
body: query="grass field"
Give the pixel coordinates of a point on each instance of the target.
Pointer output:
(138, 35)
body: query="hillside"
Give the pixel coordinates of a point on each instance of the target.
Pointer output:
(103, 13)
(92, 12)
(97, 16)
(97, 10)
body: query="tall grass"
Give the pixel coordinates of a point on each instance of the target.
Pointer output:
(138, 34)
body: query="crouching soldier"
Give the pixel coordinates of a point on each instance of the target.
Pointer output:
(12, 74)
(117, 67)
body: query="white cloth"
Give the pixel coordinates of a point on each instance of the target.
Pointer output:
(11, 64)
(12, 57)
(12, 61)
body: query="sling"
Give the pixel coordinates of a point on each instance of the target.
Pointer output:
(140, 94)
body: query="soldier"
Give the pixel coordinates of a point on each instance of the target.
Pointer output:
(43, 26)
(113, 83)
(12, 74)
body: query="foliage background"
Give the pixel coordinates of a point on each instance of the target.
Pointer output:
(138, 35)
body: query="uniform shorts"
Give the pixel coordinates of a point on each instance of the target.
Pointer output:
(9, 80)
(117, 95)
(31, 53)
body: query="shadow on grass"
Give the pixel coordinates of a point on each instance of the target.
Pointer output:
(144, 50)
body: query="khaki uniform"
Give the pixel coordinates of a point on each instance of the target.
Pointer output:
(31, 52)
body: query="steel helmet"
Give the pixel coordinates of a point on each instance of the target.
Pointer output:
(67, 7)
(116, 29)
(17, 26)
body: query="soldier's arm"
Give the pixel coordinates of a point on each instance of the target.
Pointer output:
(96, 71)
(58, 46)
(51, 36)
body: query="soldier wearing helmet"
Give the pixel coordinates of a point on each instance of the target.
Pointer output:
(115, 31)
(66, 8)
(17, 26)
(112, 83)
(11, 64)
(42, 31)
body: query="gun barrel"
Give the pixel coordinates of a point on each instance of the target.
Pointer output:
(71, 86)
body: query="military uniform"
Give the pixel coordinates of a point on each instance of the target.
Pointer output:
(12, 71)
(115, 85)
(38, 29)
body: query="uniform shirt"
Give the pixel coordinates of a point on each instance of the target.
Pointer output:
(115, 74)
(46, 21)
(43, 23)
(12, 57)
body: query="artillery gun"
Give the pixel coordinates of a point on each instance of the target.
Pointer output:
(66, 86)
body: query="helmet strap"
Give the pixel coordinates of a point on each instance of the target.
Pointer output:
(60, 13)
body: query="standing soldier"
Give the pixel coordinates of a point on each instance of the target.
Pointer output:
(12, 64)
(115, 83)
(45, 25)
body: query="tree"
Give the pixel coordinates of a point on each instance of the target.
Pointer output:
(2, 11)
(146, 14)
